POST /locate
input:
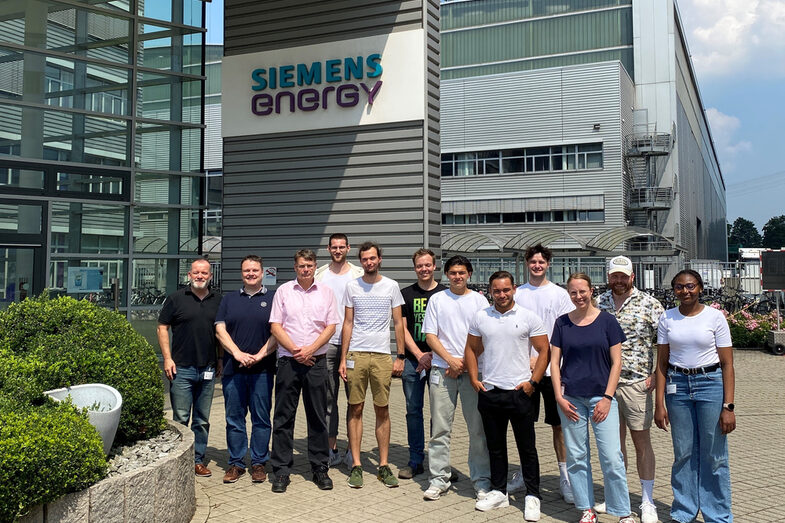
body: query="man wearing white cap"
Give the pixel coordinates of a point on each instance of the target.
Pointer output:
(638, 314)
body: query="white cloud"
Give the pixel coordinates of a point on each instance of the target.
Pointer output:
(727, 37)
(723, 129)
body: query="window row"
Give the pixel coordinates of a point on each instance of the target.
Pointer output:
(523, 160)
(592, 215)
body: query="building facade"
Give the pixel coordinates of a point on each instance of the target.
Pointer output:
(578, 125)
(101, 130)
(330, 117)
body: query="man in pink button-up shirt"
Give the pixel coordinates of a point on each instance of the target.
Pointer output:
(302, 319)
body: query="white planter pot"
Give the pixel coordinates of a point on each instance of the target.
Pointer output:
(103, 405)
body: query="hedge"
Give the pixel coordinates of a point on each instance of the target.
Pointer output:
(51, 343)
(45, 451)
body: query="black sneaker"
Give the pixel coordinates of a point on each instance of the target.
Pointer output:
(280, 483)
(322, 480)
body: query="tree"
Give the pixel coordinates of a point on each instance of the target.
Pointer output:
(744, 234)
(774, 232)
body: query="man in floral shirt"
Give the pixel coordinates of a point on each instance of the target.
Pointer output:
(638, 314)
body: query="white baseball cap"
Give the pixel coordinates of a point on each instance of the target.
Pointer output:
(620, 264)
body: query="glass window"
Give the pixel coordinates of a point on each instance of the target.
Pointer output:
(512, 165)
(155, 227)
(596, 216)
(97, 184)
(109, 269)
(446, 168)
(493, 217)
(25, 219)
(11, 177)
(491, 166)
(75, 223)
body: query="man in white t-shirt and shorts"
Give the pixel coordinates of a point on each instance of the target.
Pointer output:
(548, 301)
(370, 302)
(446, 327)
(336, 275)
(505, 333)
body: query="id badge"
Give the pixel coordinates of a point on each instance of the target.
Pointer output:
(434, 378)
(349, 364)
(208, 375)
(670, 388)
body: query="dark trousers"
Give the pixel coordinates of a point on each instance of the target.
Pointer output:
(291, 379)
(498, 407)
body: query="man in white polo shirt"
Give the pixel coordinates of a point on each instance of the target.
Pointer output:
(548, 301)
(504, 334)
(446, 326)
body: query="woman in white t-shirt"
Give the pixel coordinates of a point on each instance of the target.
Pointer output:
(695, 387)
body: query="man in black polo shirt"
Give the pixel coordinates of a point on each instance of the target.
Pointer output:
(243, 330)
(190, 363)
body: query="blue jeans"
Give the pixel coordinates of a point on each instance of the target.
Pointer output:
(414, 392)
(190, 389)
(244, 392)
(700, 477)
(606, 434)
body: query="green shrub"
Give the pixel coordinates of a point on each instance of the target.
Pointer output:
(50, 343)
(45, 451)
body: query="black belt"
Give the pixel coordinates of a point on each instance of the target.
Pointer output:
(699, 370)
(320, 356)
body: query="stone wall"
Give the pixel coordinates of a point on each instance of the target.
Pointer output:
(162, 492)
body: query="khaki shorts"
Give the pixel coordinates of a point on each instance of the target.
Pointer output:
(372, 367)
(636, 405)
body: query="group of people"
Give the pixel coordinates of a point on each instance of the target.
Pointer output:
(590, 363)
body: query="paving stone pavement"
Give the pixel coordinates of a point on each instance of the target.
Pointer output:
(757, 454)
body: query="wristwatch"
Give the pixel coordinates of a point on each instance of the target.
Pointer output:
(533, 383)
(728, 406)
(401, 356)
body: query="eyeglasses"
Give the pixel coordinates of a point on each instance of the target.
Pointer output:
(682, 286)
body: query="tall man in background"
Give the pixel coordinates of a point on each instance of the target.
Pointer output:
(548, 301)
(336, 275)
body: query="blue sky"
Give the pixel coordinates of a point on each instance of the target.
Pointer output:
(738, 50)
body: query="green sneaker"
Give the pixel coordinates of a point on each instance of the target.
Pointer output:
(386, 476)
(356, 477)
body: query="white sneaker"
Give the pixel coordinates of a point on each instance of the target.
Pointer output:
(600, 508)
(334, 459)
(627, 519)
(588, 517)
(433, 493)
(516, 482)
(531, 509)
(482, 494)
(494, 499)
(566, 491)
(649, 513)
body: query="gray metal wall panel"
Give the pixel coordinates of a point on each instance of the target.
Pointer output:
(560, 106)
(280, 199)
(253, 25)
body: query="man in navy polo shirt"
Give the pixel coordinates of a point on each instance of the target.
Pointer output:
(190, 361)
(243, 330)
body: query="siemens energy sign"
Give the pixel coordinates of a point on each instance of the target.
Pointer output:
(327, 133)
(373, 80)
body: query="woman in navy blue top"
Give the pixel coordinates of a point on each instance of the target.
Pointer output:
(585, 368)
